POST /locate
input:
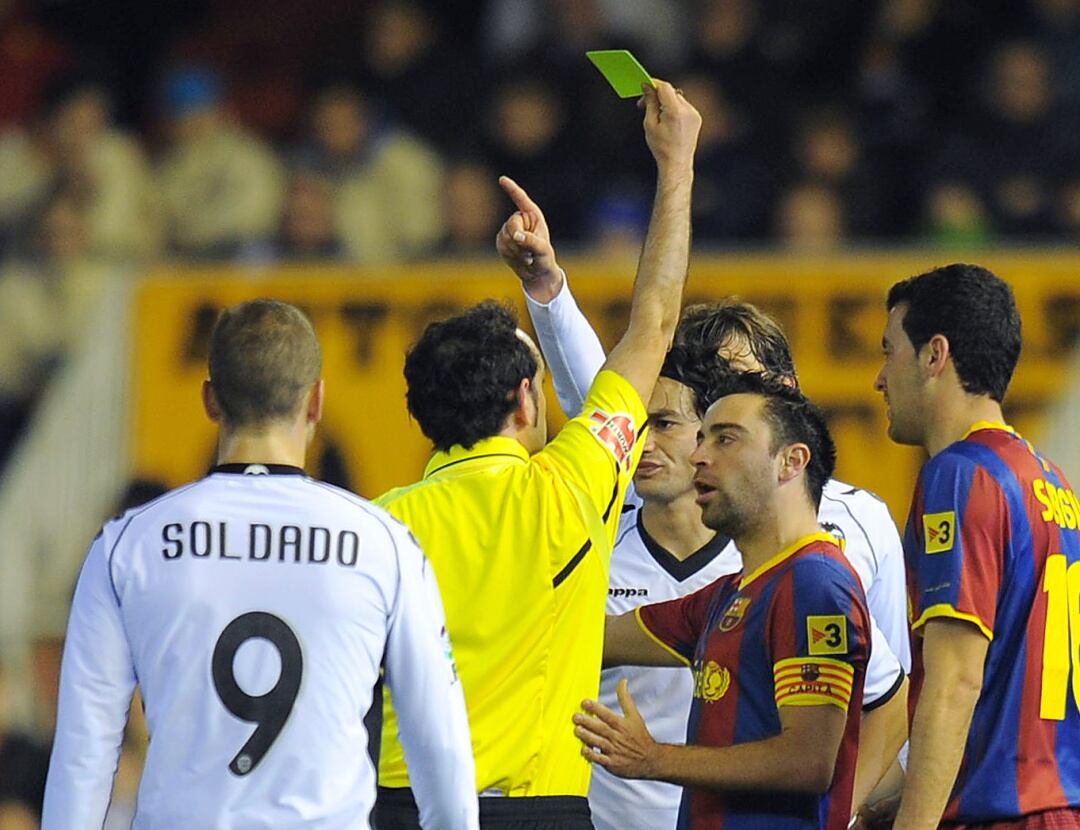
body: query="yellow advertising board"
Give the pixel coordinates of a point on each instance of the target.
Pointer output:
(832, 309)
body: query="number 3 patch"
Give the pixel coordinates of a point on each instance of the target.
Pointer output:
(939, 530)
(827, 634)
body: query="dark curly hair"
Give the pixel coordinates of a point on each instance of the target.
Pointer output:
(792, 417)
(976, 312)
(462, 372)
(697, 367)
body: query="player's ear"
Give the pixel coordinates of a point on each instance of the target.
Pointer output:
(794, 459)
(936, 353)
(210, 402)
(315, 402)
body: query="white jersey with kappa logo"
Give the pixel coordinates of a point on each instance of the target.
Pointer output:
(643, 572)
(254, 612)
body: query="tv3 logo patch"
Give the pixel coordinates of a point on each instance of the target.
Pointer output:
(827, 634)
(940, 531)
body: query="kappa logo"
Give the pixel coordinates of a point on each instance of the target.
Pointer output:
(616, 432)
(940, 531)
(827, 634)
(734, 613)
(628, 592)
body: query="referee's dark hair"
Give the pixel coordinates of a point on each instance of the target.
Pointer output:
(462, 374)
(792, 417)
(264, 357)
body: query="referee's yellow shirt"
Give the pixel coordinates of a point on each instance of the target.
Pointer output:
(521, 547)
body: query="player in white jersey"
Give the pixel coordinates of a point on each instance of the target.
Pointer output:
(645, 570)
(254, 608)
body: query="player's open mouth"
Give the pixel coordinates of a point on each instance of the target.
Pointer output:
(704, 492)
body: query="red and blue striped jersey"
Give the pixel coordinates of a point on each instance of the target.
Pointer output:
(993, 539)
(795, 632)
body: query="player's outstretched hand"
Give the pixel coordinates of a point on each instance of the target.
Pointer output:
(619, 743)
(671, 126)
(524, 243)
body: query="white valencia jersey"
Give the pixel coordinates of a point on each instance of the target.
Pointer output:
(643, 572)
(254, 608)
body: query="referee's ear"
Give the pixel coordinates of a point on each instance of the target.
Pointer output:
(210, 402)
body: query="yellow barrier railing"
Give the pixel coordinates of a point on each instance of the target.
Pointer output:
(832, 309)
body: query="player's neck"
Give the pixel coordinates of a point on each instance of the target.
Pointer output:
(275, 445)
(957, 417)
(676, 525)
(786, 526)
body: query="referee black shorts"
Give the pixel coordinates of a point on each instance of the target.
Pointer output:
(395, 809)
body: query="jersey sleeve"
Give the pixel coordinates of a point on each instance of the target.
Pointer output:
(957, 536)
(97, 680)
(818, 635)
(570, 346)
(883, 671)
(432, 722)
(598, 450)
(676, 625)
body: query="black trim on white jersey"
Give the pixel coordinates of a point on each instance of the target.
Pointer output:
(889, 695)
(685, 568)
(255, 468)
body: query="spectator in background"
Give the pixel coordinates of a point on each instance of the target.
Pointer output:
(76, 148)
(1069, 211)
(734, 183)
(43, 301)
(223, 187)
(1056, 24)
(827, 150)
(955, 217)
(30, 57)
(427, 83)
(308, 229)
(1014, 153)
(472, 209)
(527, 133)
(387, 184)
(810, 218)
(23, 765)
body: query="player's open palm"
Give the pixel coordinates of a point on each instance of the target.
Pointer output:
(619, 743)
(524, 243)
(671, 125)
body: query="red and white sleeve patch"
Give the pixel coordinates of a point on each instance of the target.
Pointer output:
(616, 432)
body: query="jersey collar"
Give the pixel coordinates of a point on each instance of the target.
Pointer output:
(254, 469)
(681, 569)
(497, 446)
(787, 553)
(989, 425)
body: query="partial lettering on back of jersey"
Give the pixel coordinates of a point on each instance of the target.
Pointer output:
(993, 539)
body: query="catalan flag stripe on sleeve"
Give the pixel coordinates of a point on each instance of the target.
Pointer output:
(813, 681)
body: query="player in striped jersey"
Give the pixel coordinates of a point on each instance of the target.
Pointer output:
(663, 551)
(254, 608)
(993, 555)
(778, 650)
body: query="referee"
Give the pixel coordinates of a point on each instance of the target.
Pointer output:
(519, 530)
(253, 608)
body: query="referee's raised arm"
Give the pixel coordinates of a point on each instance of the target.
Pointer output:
(671, 131)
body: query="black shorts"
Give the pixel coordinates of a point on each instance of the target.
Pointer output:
(395, 809)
